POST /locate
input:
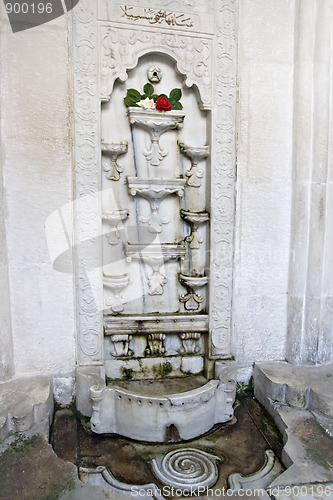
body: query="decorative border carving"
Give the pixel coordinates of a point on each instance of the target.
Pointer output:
(223, 177)
(87, 184)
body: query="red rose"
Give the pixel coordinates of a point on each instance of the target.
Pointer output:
(162, 104)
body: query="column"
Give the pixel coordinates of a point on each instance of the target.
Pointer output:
(310, 311)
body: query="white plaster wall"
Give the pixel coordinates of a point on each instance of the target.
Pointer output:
(264, 170)
(6, 344)
(37, 165)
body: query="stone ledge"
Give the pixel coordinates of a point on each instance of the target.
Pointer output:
(291, 394)
(26, 408)
(307, 387)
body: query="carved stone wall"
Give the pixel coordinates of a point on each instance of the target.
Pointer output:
(105, 46)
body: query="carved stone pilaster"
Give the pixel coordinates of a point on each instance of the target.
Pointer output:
(87, 184)
(155, 344)
(223, 177)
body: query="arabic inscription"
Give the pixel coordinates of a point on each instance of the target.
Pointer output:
(157, 16)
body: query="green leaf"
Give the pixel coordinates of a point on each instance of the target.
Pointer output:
(134, 95)
(177, 105)
(148, 89)
(143, 96)
(154, 97)
(175, 94)
(129, 102)
(163, 95)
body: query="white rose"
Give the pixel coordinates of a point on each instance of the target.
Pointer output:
(147, 103)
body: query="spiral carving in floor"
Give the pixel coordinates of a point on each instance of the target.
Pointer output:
(187, 468)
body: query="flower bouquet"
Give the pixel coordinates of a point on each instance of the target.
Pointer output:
(150, 100)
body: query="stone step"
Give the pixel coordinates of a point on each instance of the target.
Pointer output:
(300, 399)
(26, 407)
(309, 387)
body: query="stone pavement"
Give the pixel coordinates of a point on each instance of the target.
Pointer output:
(298, 398)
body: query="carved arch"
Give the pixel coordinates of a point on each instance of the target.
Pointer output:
(122, 50)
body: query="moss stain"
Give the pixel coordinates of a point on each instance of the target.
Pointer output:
(162, 370)
(127, 373)
(245, 389)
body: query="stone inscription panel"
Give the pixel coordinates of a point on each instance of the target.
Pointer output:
(162, 15)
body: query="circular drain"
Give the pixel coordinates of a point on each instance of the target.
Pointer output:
(186, 468)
